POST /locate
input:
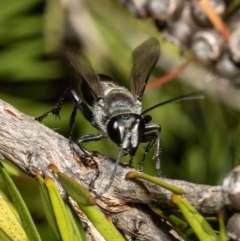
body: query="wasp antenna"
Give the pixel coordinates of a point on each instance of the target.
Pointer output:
(192, 96)
(113, 172)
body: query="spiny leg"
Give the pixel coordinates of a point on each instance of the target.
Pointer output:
(72, 121)
(147, 119)
(132, 154)
(131, 160)
(57, 108)
(78, 104)
(82, 106)
(90, 138)
(153, 138)
(157, 155)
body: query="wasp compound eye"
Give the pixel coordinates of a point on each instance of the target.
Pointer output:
(141, 127)
(115, 129)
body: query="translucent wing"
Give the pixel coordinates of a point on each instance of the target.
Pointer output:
(83, 67)
(86, 90)
(145, 57)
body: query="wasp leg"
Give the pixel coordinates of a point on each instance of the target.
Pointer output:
(91, 137)
(153, 138)
(132, 154)
(78, 104)
(147, 119)
(82, 106)
(57, 108)
(72, 121)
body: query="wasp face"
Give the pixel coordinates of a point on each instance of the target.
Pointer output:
(126, 130)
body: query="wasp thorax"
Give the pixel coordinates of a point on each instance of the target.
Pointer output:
(126, 130)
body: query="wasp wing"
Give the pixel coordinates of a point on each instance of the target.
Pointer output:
(83, 67)
(145, 57)
(86, 90)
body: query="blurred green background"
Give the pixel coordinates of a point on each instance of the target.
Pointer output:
(197, 136)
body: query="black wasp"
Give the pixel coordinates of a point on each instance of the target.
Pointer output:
(117, 112)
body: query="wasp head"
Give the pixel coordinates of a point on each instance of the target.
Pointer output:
(126, 130)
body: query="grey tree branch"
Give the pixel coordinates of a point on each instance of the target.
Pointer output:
(32, 146)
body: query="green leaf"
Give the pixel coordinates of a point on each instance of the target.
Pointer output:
(222, 229)
(9, 10)
(60, 212)
(106, 228)
(54, 26)
(15, 59)
(178, 224)
(3, 236)
(84, 200)
(9, 224)
(47, 206)
(21, 207)
(30, 26)
(156, 180)
(76, 223)
(199, 225)
(79, 193)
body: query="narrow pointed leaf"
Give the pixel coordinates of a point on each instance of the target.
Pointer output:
(222, 229)
(11, 10)
(21, 207)
(60, 212)
(9, 224)
(47, 206)
(84, 200)
(199, 225)
(3, 236)
(79, 193)
(76, 223)
(178, 224)
(156, 180)
(106, 228)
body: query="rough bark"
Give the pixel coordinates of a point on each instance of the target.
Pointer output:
(32, 146)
